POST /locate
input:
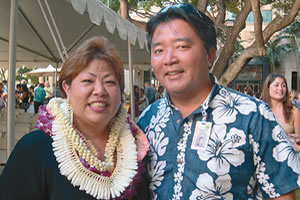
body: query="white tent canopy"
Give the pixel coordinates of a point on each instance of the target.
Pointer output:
(45, 32)
(49, 71)
(76, 21)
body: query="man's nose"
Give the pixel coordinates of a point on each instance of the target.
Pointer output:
(170, 57)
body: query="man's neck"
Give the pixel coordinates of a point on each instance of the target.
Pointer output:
(190, 101)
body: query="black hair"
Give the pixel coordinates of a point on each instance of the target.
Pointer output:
(200, 22)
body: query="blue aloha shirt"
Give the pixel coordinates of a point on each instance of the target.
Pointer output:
(248, 155)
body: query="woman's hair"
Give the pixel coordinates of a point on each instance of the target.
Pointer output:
(91, 49)
(265, 95)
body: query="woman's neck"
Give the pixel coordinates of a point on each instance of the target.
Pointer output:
(276, 104)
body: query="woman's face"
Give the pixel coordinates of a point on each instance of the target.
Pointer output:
(277, 89)
(94, 95)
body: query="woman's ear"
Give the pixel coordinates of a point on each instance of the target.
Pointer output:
(66, 88)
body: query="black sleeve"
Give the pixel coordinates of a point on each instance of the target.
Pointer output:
(20, 178)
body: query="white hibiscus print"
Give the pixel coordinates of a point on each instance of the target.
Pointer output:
(158, 145)
(226, 106)
(284, 151)
(251, 188)
(208, 189)
(222, 149)
(266, 112)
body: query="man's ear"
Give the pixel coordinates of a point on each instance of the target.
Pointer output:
(211, 54)
(66, 88)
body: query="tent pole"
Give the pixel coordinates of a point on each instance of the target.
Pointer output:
(12, 76)
(56, 29)
(132, 97)
(51, 31)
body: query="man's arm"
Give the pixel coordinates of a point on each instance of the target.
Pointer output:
(288, 196)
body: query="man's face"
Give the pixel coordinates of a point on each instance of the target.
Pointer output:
(179, 59)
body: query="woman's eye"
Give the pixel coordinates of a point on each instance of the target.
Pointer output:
(87, 81)
(110, 82)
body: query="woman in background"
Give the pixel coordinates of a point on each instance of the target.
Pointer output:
(275, 93)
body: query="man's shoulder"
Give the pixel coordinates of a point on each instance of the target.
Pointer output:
(236, 96)
(156, 108)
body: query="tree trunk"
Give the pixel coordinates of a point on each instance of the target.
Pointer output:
(277, 24)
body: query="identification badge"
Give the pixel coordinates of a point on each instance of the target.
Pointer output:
(201, 135)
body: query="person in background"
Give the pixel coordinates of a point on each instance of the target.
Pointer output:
(31, 94)
(48, 89)
(24, 98)
(298, 97)
(39, 97)
(293, 98)
(86, 147)
(143, 100)
(136, 102)
(56, 92)
(275, 93)
(248, 90)
(149, 92)
(244, 154)
(160, 93)
(18, 94)
(5, 86)
(3, 97)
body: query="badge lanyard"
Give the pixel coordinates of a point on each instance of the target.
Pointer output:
(202, 130)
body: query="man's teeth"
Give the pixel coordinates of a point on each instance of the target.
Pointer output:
(98, 104)
(173, 73)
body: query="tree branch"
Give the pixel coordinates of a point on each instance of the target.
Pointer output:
(228, 49)
(258, 27)
(202, 5)
(277, 24)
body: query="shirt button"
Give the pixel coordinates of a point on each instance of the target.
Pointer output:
(179, 161)
(178, 121)
(181, 140)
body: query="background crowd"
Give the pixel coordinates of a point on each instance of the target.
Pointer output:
(27, 95)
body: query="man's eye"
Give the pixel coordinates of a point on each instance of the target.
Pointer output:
(157, 51)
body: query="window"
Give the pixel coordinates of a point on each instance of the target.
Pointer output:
(266, 15)
(294, 80)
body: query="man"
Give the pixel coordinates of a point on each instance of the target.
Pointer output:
(39, 97)
(246, 154)
(149, 92)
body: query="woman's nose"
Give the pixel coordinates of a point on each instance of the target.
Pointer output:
(99, 89)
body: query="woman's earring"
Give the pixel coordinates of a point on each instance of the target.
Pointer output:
(69, 112)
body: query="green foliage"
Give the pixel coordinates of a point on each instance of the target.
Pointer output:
(283, 5)
(22, 76)
(112, 4)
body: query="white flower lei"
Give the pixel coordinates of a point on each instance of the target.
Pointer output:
(100, 187)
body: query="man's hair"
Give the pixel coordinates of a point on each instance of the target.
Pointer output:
(201, 23)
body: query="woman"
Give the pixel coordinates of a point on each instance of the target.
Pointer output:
(275, 93)
(137, 111)
(86, 147)
(24, 99)
(143, 100)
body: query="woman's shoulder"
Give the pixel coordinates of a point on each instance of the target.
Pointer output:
(34, 138)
